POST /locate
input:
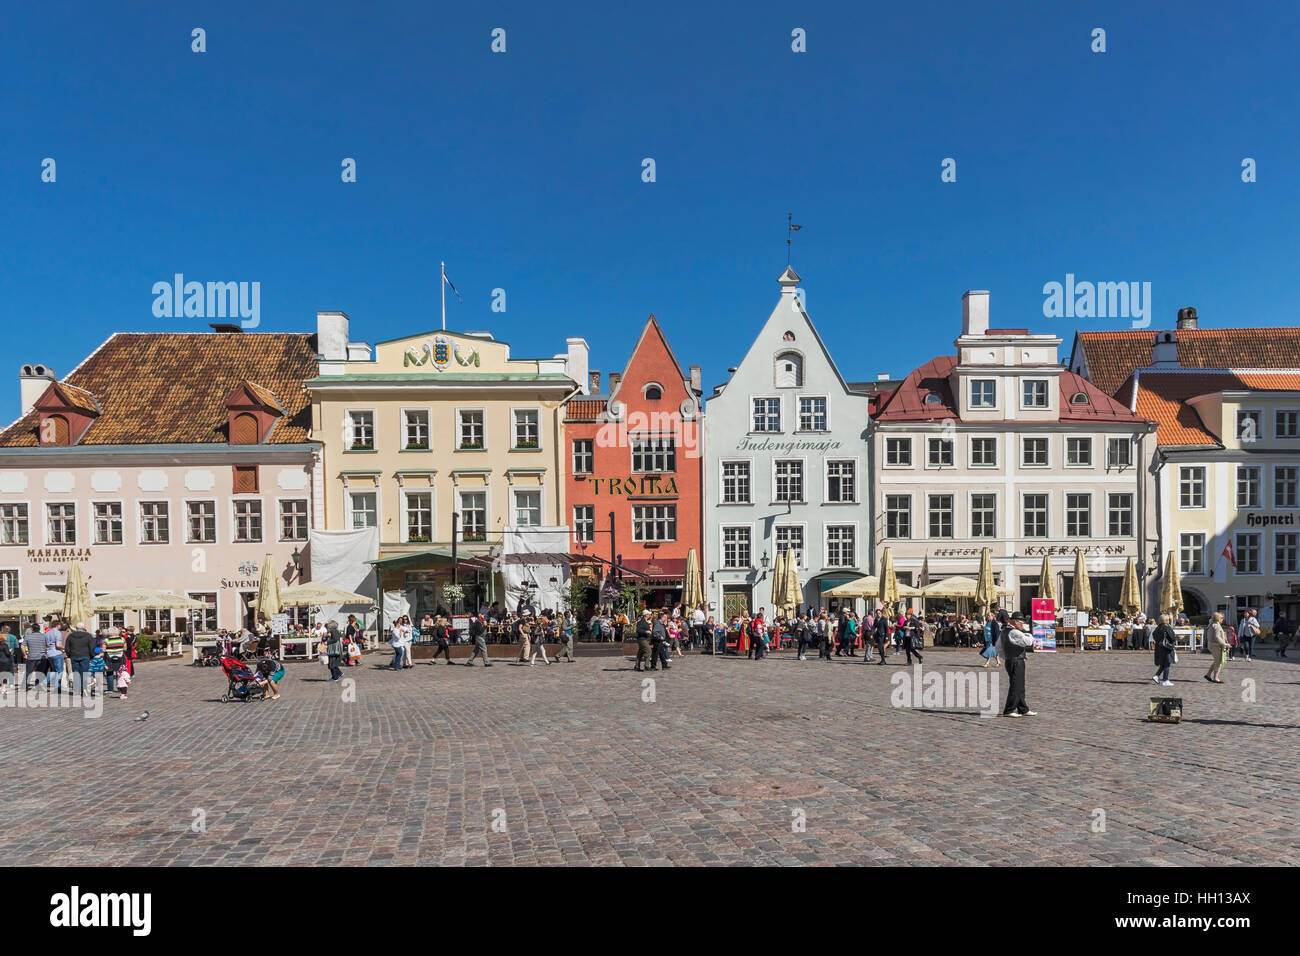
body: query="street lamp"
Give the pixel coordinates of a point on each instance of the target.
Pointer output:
(297, 563)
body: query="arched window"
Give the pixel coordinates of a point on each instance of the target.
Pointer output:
(55, 431)
(789, 370)
(1079, 398)
(653, 392)
(244, 430)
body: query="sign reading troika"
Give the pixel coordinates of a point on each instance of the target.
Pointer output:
(635, 485)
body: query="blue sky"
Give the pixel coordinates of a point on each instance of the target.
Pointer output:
(523, 170)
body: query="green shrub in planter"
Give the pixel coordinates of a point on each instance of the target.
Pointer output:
(144, 644)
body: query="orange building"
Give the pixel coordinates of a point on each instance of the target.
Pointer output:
(635, 468)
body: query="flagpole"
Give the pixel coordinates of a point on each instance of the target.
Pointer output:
(443, 288)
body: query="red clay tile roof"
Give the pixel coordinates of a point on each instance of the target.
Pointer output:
(263, 395)
(584, 409)
(171, 387)
(77, 398)
(1162, 398)
(907, 403)
(1112, 356)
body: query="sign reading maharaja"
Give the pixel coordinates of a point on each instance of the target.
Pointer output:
(440, 352)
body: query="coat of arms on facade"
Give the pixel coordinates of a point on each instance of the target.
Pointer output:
(438, 352)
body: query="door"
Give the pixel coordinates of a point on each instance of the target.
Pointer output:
(735, 600)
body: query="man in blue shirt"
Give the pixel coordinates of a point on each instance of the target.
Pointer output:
(54, 654)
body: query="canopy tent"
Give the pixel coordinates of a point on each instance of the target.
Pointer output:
(868, 587)
(45, 602)
(145, 599)
(957, 586)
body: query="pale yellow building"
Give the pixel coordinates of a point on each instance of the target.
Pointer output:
(436, 438)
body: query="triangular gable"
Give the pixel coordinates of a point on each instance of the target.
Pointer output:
(61, 397)
(251, 395)
(651, 341)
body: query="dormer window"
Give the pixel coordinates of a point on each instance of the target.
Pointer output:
(66, 412)
(251, 414)
(1079, 398)
(789, 370)
(934, 398)
(653, 392)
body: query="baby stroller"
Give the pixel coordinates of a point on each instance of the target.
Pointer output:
(211, 656)
(243, 682)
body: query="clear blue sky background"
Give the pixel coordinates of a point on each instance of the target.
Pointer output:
(523, 169)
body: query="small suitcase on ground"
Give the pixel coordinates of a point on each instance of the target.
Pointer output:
(1166, 710)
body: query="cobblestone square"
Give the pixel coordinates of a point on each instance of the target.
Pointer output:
(778, 762)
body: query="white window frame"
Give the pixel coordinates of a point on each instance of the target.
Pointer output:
(460, 511)
(722, 481)
(590, 456)
(403, 438)
(1183, 546)
(21, 544)
(970, 451)
(514, 427)
(234, 523)
(970, 394)
(826, 414)
(1259, 486)
(970, 515)
(216, 608)
(1091, 513)
(77, 524)
(952, 451)
(656, 454)
(826, 481)
(1277, 565)
(1047, 516)
(1259, 553)
(216, 520)
(826, 538)
(911, 516)
(654, 505)
(1132, 513)
(1047, 394)
(1047, 447)
(1259, 420)
(279, 518)
(910, 444)
(18, 576)
(579, 522)
(780, 414)
(1277, 424)
(952, 515)
(351, 429)
(351, 511)
(1205, 490)
(139, 521)
(800, 368)
(802, 527)
(722, 546)
(1127, 443)
(803, 482)
(1277, 485)
(1083, 441)
(405, 516)
(459, 436)
(541, 505)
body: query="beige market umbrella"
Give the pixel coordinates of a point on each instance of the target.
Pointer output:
(868, 586)
(957, 586)
(1047, 580)
(792, 595)
(1082, 595)
(888, 592)
(77, 606)
(985, 590)
(145, 599)
(46, 602)
(1130, 600)
(325, 595)
(692, 591)
(1171, 589)
(268, 592)
(778, 580)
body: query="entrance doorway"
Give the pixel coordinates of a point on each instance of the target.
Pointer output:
(735, 600)
(1289, 605)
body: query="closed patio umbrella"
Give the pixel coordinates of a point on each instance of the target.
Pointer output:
(985, 590)
(888, 592)
(1082, 596)
(778, 580)
(792, 595)
(1171, 589)
(77, 606)
(268, 592)
(692, 591)
(1047, 580)
(1130, 599)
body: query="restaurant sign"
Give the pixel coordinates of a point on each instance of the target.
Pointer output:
(40, 555)
(642, 485)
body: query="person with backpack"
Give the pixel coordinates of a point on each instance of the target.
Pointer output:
(913, 638)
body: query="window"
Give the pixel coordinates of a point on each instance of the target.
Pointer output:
(1078, 515)
(735, 482)
(789, 370)
(841, 485)
(812, 414)
(584, 523)
(528, 508)
(653, 393)
(841, 550)
(1078, 452)
(789, 480)
(1033, 453)
(107, 619)
(1119, 515)
(1033, 393)
(62, 520)
(898, 452)
(1285, 480)
(417, 429)
(1286, 553)
(244, 431)
(654, 455)
(201, 522)
(293, 519)
(1286, 423)
(983, 516)
(205, 620)
(245, 480)
(248, 520)
(1191, 553)
(1247, 486)
(527, 432)
(790, 537)
(1248, 425)
(13, 524)
(1248, 552)
(473, 515)
(1245, 601)
(735, 547)
(1119, 453)
(898, 516)
(1034, 523)
(941, 516)
(767, 414)
(939, 452)
(584, 455)
(419, 516)
(654, 523)
(108, 522)
(364, 506)
(983, 393)
(471, 429)
(156, 621)
(8, 584)
(1191, 487)
(1079, 398)
(55, 430)
(983, 452)
(361, 430)
(154, 522)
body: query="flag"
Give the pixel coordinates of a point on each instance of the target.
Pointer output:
(794, 228)
(1227, 553)
(454, 290)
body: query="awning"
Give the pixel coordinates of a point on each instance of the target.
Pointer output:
(395, 562)
(658, 569)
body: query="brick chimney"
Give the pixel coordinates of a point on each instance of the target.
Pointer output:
(1187, 318)
(593, 382)
(33, 380)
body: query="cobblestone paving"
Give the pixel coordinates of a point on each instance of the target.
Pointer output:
(579, 769)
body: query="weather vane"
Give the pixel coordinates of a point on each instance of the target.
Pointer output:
(789, 229)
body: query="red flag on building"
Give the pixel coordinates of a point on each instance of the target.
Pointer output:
(1227, 553)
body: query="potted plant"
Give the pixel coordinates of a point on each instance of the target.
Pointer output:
(452, 595)
(471, 446)
(363, 446)
(418, 538)
(526, 444)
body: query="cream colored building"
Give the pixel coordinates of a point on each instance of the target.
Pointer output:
(439, 436)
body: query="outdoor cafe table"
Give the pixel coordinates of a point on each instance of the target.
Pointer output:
(297, 645)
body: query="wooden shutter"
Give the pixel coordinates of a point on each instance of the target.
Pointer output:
(245, 479)
(54, 430)
(244, 430)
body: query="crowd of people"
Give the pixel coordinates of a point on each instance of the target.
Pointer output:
(61, 657)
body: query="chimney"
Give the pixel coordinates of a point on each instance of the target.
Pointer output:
(696, 376)
(1187, 318)
(33, 380)
(614, 379)
(593, 382)
(576, 361)
(1164, 350)
(332, 336)
(975, 312)
(882, 376)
